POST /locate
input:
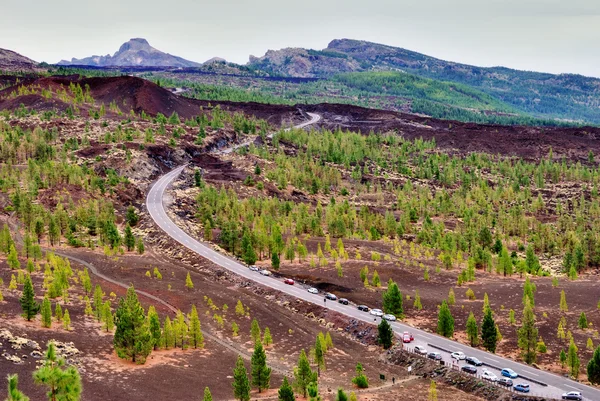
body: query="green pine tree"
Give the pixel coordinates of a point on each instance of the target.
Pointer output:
(528, 335)
(241, 386)
(593, 367)
(472, 330)
(28, 304)
(303, 374)
(195, 332)
(392, 300)
(267, 339)
(13, 258)
(63, 384)
(286, 393)
(132, 339)
(582, 323)
(188, 282)
(129, 238)
(573, 360)
(108, 320)
(255, 331)
(66, 320)
(46, 313)
(489, 334)
(261, 373)
(207, 394)
(385, 334)
(13, 392)
(319, 356)
(445, 321)
(563, 302)
(58, 313)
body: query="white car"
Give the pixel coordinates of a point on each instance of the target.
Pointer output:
(419, 349)
(265, 272)
(313, 290)
(459, 356)
(487, 375)
(390, 318)
(253, 268)
(376, 312)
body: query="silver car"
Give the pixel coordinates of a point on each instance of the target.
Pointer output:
(376, 312)
(313, 290)
(389, 318)
(265, 272)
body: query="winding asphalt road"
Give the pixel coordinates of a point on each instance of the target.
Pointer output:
(556, 385)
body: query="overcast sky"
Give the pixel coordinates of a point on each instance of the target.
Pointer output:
(541, 35)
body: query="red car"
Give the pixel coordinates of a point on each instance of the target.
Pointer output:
(407, 337)
(289, 281)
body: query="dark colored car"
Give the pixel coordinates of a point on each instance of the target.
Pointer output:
(572, 395)
(330, 296)
(522, 388)
(363, 308)
(469, 369)
(343, 301)
(504, 381)
(471, 360)
(435, 356)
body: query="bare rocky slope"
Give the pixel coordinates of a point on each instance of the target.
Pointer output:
(12, 61)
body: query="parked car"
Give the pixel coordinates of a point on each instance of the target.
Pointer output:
(435, 356)
(313, 290)
(253, 268)
(469, 369)
(572, 395)
(389, 318)
(363, 308)
(405, 338)
(343, 301)
(330, 296)
(265, 272)
(419, 349)
(509, 373)
(471, 360)
(376, 312)
(487, 375)
(522, 387)
(289, 281)
(459, 356)
(505, 381)
(406, 333)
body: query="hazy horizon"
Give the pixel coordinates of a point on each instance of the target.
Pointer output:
(535, 35)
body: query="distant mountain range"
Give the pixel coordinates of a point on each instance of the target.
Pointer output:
(135, 52)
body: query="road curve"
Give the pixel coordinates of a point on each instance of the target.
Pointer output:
(154, 203)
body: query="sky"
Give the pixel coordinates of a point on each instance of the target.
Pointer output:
(555, 36)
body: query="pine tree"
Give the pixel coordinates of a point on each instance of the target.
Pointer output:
(286, 393)
(375, 281)
(593, 367)
(511, 317)
(529, 289)
(66, 320)
(140, 246)
(573, 359)
(196, 336)
(528, 335)
(341, 395)
(267, 339)
(582, 323)
(255, 331)
(563, 302)
(328, 341)
(168, 337)
(129, 238)
(261, 373)
(320, 355)
(451, 297)
(239, 308)
(392, 300)
(417, 303)
(98, 302)
(445, 321)
(63, 384)
(58, 313)
(132, 338)
(207, 395)
(385, 334)
(486, 302)
(472, 330)
(275, 262)
(180, 330)
(489, 334)
(562, 358)
(28, 304)
(241, 386)
(154, 325)
(46, 313)
(13, 258)
(432, 392)
(13, 282)
(108, 320)
(248, 253)
(303, 375)
(86, 282)
(13, 392)
(560, 333)
(188, 282)
(88, 306)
